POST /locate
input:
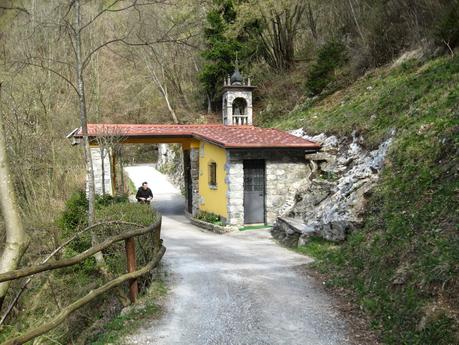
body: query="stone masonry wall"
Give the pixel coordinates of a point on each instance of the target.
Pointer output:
(282, 177)
(284, 170)
(194, 162)
(97, 166)
(235, 192)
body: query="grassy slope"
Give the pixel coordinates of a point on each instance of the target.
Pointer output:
(403, 265)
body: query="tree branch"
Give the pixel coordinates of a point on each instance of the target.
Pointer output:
(54, 252)
(27, 271)
(52, 71)
(134, 44)
(57, 320)
(107, 9)
(14, 8)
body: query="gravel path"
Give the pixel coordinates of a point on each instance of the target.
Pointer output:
(238, 288)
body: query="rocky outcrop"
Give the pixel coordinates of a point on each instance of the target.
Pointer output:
(332, 201)
(292, 232)
(170, 162)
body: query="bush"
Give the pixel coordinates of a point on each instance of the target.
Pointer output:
(330, 57)
(107, 199)
(209, 217)
(447, 30)
(75, 214)
(127, 212)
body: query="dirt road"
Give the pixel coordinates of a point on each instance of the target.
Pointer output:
(239, 288)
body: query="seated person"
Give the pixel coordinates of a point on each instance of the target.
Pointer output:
(144, 194)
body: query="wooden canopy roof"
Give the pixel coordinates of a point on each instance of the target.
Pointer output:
(234, 137)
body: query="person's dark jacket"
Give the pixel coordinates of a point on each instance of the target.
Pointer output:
(144, 193)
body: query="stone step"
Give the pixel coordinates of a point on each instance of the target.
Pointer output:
(291, 232)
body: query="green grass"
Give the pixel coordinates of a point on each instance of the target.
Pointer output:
(403, 265)
(402, 97)
(317, 248)
(123, 325)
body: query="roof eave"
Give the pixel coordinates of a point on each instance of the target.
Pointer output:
(292, 147)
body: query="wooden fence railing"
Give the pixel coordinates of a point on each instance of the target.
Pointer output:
(130, 277)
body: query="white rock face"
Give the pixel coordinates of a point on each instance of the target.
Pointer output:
(169, 156)
(333, 200)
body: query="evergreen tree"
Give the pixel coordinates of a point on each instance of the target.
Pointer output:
(222, 50)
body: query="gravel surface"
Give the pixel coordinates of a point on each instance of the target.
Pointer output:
(237, 288)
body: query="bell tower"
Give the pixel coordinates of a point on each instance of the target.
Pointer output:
(237, 100)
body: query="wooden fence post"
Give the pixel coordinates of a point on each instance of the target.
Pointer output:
(131, 267)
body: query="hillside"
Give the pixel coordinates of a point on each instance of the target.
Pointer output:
(402, 266)
(318, 66)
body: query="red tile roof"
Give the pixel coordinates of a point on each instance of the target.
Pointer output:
(221, 135)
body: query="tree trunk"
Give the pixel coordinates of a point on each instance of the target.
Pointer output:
(102, 165)
(113, 171)
(312, 23)
(357, 25)
(163, 89)
(209, 104)
(16, 238)
(83, 115)
(169, 106)
(84, 129)
(120, 161)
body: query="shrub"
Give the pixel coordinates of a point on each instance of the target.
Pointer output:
(75, 216)
(83, 270)
(330, 57)
(209, 217)
(107, 199)
(75, 213)
(127, 212)
(447, 30)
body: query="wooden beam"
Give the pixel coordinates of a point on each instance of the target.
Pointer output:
(131, 267)
(57, 320)
(27, 271)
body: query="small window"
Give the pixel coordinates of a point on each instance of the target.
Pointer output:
(213, 174)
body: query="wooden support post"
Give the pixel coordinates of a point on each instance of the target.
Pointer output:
(131, 267)
(113, 171)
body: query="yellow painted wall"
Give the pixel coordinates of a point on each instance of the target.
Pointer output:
(213, 200)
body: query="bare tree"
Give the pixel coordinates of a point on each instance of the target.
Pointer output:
(16, 239)
(312, 22)
(279, 25)
(75, 29)
(157, 75)
(80, 62)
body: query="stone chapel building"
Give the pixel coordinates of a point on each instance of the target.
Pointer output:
(235, 170)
